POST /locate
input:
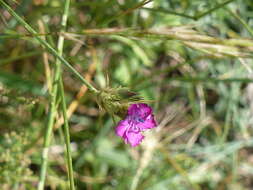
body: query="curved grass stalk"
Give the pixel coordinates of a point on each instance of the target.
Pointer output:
(48, 46)
(246, 26)
(57, 86)
(67, 137)
(193, 17)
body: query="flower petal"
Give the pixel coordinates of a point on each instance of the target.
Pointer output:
(122, 127)
(148, 123)
(141, 109)
(133, 138)
(132, 109)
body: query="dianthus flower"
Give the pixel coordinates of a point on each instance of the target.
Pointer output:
(139, 118)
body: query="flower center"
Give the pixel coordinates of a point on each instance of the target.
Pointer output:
(133, 121)
(135, 129)
(140, 120)
(136, 119)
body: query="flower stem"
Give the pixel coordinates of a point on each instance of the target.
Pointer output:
(48, 47)
(63, 101)
(67, 137)
(47, 137)
(58, 85)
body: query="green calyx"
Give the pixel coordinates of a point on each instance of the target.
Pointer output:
(116, 101)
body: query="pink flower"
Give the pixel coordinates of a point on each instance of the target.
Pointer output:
(139, 118)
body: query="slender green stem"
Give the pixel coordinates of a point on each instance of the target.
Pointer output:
(210, 79)
(247, 27)
(13, 35)
(197, 80)
(218, 6)
(23, 56)
(195, 17)
(67, 136)
(63, 102)
(49, 130)
(48, 47)
(137, 6)
(57, 85)
(162, 10)
(227, 125)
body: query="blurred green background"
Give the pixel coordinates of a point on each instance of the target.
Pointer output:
(192, 59)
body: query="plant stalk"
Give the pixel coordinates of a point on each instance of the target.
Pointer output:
(48, 46)
(58, 85)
